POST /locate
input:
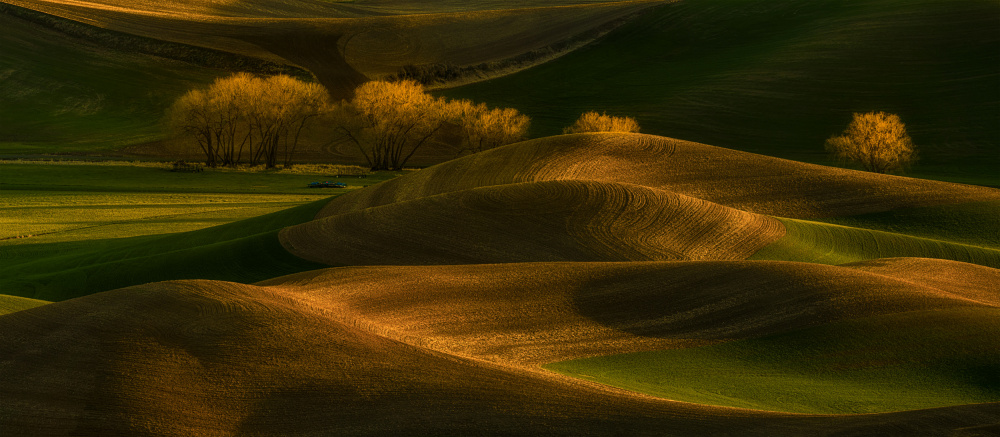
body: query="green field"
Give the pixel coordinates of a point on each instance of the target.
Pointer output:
(899, 362)
(77, 201)
(244, 251)
(778, 77)
(975, 223)
(90, 227)
(823, 243)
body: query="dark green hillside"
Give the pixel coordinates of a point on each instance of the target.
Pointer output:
(243, 251)
(63, 94)
(780, 76)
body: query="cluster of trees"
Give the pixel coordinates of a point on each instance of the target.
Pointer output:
(593, 122)
(258, 118)
(390, 121)
(245, 116)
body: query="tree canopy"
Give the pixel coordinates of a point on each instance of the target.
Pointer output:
(248, 116)
(876, 140)
(390, 121)
(593, 122)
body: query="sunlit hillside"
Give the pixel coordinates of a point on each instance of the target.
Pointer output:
(191, 247)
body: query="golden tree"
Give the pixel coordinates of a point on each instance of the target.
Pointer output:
(244, 112)
(192, 115)
(390, 121)
(876, 140)
(593, 122)
(484, 128)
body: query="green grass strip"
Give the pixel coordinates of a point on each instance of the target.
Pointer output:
(244, 251)
(898, 362)
(825, 243)
(976, 224)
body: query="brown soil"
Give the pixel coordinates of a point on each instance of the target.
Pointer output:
(359, 351)
(540, 221)
(740, 180)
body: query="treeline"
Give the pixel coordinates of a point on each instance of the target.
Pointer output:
(245, 119)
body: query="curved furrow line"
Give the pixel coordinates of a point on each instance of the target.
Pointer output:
(543, 221)
(739, 180)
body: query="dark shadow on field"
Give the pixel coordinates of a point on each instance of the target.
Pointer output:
(727, 300)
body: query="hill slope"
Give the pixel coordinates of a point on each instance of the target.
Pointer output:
(212, 358)
(12, 304)
(859, 366)
(342, 52)
(779, 77)
(64, 94)
(246, 250)
(831, 244)
(540, 221)
(534, 313)
(745, 181)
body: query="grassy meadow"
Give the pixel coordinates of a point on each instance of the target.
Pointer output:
(65, 201)
(716, 274)
(73, 228)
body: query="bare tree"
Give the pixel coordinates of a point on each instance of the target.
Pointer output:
(593, 122)
(876, 140)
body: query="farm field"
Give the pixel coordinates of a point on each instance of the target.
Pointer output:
(716, 274)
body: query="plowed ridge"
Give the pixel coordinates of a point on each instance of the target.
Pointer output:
(740, 180)
(542, 221)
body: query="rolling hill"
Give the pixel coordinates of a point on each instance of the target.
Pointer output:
(587, 284)
(341, 52)
(541, 221)
(740, 180)
(587, 197)
(526, 314)
(69, 95)
(779, 77)
(217, 358)
(96, 77)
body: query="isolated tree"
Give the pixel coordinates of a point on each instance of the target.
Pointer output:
(876, 140)
(390, 121)
(247, 113)
(484, 128)
(593, 122)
